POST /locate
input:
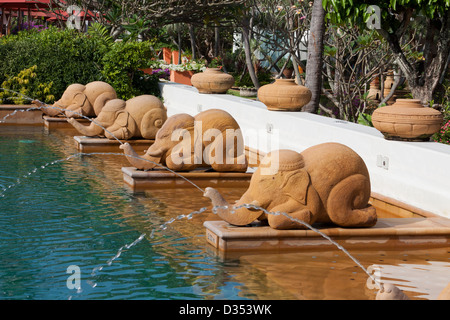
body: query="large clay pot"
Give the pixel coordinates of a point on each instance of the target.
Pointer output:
(212, 80)
(407, 119)
(284, 95)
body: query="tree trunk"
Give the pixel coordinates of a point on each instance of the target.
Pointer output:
(248, 53)
(423, 81)
(216, 41)
(179, 44)
(192, 37)
(315, 54)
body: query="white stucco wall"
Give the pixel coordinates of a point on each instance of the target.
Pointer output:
(416, 173)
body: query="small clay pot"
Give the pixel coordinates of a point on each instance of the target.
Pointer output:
(284, 95)
(212, 80)
(407, 119)
(374, 90)
(388, 83)
(288, 73)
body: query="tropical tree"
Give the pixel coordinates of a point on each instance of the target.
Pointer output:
(314, 64)
(395, 21)
(352, 59)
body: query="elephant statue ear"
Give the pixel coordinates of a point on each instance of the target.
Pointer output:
(296, 184)
(102, 99)
(122, 118)
(80, 99)
(152, 121)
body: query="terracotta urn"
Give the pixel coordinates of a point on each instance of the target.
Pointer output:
(388, 83)
(284, 95)
(407, 119)
(212, 80)
(374, 90)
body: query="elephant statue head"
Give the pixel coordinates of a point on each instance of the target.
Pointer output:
(81, 100)
(325, 183)
(185, 142)
(139, 117)
(160, 151)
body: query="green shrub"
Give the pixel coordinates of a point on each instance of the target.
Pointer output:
(443, 135)
(121, 66)
(20, 88)
(264, 77)
(62, 57)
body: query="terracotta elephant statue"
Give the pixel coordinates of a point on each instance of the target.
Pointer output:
(325, 183)
(78, 99)
(207, 140)
(139, 117)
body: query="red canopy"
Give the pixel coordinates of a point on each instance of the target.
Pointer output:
(37, 8)
(24, 4)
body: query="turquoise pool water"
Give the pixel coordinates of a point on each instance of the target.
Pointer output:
(78, 213)
(72, 214)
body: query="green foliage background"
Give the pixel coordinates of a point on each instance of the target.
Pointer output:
(67, 56)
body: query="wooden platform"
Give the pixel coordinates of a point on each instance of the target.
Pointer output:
(61, 122)
(97, 144)
(21, 117)
(161, 178)
(387, 233)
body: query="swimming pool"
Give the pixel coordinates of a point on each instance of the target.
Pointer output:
(78, 213)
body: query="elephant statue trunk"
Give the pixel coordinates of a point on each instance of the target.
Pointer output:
(157, 150)
(52, 111)
(55, 110)
(94, 129)
(145, 162)
(239, 214)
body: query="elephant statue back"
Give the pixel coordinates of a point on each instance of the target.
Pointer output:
(98, 93)
(80, 100)
(149, 114)
(216, 118)
(326, 183)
